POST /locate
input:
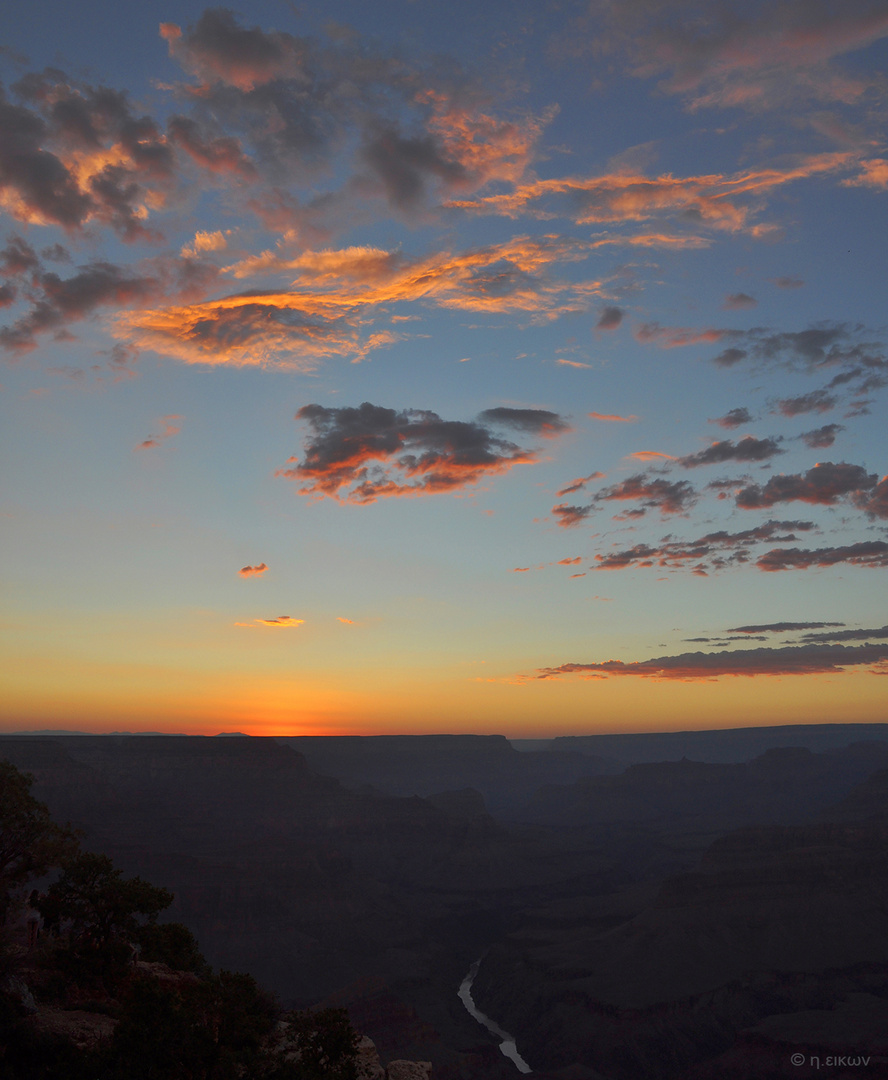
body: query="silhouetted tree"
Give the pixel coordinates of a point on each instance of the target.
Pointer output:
(102, 913)
(30, 841)
(96, 903)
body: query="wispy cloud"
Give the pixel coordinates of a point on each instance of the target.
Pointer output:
(613, 418)
(169, 428)
(715, 201)
(724, 55)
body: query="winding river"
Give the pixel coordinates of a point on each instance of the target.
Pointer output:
(507, 1045)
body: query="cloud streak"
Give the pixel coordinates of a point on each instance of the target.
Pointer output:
(696, 666)
(715, 201)
(868, 553)
(714, 551)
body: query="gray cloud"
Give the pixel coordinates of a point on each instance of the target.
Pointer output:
(816, 401)
(869, 553)
(371, 452)
(739, 301)
(734, 418)
(879, 634)
(714, 551)
(609, 319)
(746, 449)
(824, 484)
(794, 660)
(782, 628)
(821, 437)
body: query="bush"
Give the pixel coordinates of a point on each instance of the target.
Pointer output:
(327, 1043)
(172, 944)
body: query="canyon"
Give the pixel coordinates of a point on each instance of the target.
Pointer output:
(634, 919)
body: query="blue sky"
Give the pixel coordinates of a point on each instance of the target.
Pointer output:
(412, 367)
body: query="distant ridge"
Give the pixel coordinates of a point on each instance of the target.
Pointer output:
(92, 734)
(718, 745)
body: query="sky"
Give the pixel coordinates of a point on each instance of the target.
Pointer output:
(417, 367)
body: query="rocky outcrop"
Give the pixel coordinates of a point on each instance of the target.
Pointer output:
(409, 1070)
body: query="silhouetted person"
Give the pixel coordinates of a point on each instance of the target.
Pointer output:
(33, 919)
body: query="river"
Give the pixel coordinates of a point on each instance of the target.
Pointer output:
(507, 1044)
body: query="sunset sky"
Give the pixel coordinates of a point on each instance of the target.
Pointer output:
(413, 366)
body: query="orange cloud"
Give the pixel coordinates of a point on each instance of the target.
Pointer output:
(282, 622)
(613, 418)
(487, 148)
(203, 242)
(349, 622)
(655, 240)
(650, 455)
(570, 562)
(621, 197)
(327, 310)
(252, 571)
(874, 173)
